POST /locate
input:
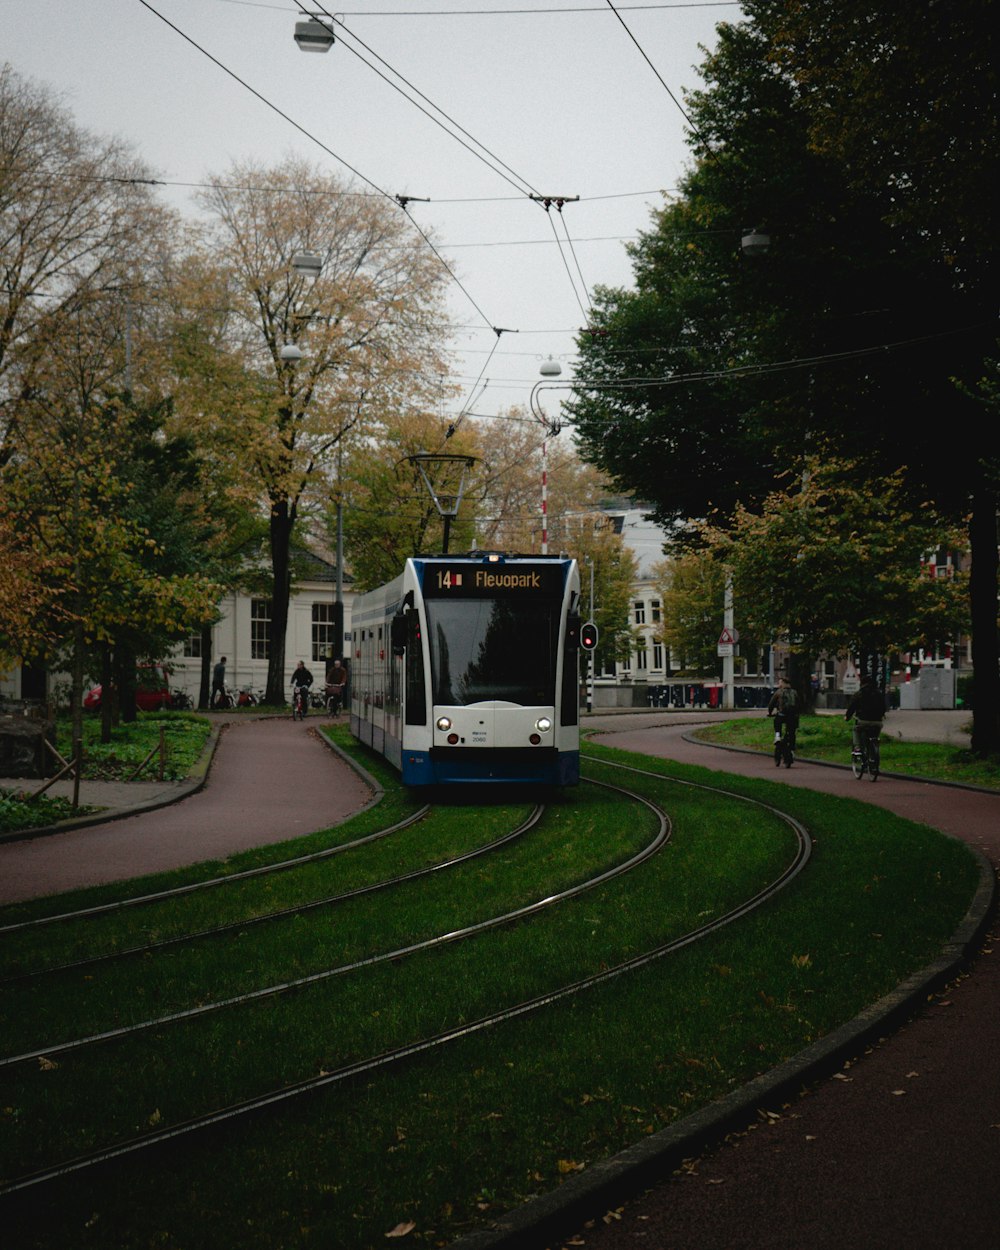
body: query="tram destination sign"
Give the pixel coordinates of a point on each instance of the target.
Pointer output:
(492, 581)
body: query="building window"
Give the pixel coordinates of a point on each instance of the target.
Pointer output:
(323, 640)
(260, 629)
(654, 611)
(192, 647)
(657, 657)
(640, 612)
(641, 660)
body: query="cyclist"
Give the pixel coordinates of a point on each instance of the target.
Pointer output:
(302, 679)
(336, 680)
(784, 707)
(868, 709)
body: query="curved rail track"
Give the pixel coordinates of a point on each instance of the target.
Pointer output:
(441, 1039)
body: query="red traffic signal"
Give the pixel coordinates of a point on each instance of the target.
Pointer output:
(588, 636)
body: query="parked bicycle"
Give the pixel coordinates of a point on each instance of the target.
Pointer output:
(224, 701)
(248, 697)
(866, 757)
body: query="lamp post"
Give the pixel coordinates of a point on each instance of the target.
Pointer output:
(549, 369)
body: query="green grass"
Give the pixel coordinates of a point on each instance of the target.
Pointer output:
(185, 735)
(448, 1139)
(184, 738)
(829, 738)
(18, 812)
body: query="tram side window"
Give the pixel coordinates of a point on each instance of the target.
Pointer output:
(416, 686)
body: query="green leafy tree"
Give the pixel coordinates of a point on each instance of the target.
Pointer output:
(595, 545)
(713, 377)
(837, 566)
(692, 591)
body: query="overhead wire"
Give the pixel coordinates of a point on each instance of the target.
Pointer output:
(510, 176)
(527, 188)
(314, 139)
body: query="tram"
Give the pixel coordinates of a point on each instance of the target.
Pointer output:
(465, 670)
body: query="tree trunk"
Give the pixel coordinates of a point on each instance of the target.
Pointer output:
(282, 522)
(205, 687)
(983, 600)
(108, 693)
(125, 664)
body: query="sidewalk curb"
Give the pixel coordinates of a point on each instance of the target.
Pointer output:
(546, 1219)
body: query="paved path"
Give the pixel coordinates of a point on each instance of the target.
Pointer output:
(270, 780)
(904, 1152)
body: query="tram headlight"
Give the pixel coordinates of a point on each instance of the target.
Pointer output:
(543, 724)
(444, 723)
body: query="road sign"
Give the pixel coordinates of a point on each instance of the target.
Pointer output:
(727, 641)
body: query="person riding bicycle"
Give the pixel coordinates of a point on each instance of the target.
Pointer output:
(336, 680)
(302, 679)
(784, 707)
(868, 709)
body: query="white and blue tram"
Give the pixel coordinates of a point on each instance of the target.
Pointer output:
(465, 670)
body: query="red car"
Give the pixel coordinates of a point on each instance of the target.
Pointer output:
(152, 690)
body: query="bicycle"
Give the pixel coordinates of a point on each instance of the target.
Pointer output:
(222, 700)
(334, 698)
(300, 702)
(784, 741)
(868, 758)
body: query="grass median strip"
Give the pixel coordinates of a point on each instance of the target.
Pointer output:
(449, 1138)
(828, 738)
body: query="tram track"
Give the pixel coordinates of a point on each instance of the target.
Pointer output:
(298, 909)
(417, 1046)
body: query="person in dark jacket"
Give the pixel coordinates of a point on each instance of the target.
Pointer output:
(784, 707)
(301, 677)
(867, 707)
(218, 698)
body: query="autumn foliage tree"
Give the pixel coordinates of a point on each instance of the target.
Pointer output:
(368, 329)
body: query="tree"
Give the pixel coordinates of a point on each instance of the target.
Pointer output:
(907, 110)
(73, 215)
(692, 589)
(838, 566)
(368, 328)
(390, 515)
(86, 484)
(852, 314)
(595, 545)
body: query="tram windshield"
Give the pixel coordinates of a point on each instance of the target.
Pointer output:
(493, 649)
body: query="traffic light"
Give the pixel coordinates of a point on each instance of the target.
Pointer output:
(588, 636)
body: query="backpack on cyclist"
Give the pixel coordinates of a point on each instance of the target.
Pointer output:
(788, 700)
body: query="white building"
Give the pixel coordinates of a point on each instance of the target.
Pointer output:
(241, 635)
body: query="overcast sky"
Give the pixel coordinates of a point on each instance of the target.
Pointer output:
(556, 90)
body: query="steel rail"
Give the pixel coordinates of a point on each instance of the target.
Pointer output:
(211, 882)
(329, 974)
(283, 913)
(398, 1054)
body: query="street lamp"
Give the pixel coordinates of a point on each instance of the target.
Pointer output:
(309, 264)
(755, 243)
(291, 351)
(313, 35)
